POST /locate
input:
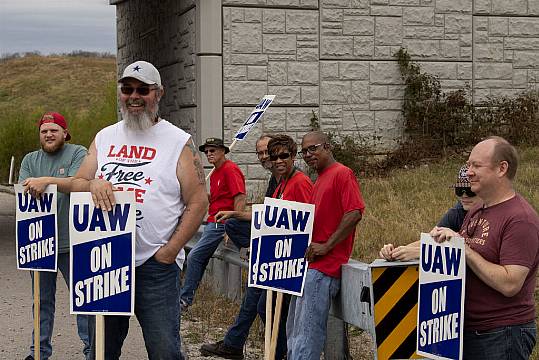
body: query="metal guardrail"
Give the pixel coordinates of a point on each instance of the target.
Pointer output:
(348, 308)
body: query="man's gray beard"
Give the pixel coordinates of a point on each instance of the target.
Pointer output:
(139, 122)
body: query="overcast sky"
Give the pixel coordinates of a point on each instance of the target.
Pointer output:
(57, 26)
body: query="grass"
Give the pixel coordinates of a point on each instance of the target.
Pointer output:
(80, 88)
(410, 201)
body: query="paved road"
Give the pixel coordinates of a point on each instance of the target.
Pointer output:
(16, 311)
(16, 305)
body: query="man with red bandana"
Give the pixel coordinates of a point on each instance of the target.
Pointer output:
(55, 163)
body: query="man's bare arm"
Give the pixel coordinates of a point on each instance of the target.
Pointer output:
(239, 202)
(84, 180)
(193, 187)
(36, 186)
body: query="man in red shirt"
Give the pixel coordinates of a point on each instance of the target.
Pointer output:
(502, 254)
(227, 192)
(338, 209)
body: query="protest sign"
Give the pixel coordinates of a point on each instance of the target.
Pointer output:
(281, 232)
(102, 258)
(253, 118)
(440, 319)
(36, 229)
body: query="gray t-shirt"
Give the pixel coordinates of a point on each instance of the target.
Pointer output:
(63, 163)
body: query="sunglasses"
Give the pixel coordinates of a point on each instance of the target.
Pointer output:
(309, 149)
(209, 151)
(459, 191)
(143, 90)
(282, 156)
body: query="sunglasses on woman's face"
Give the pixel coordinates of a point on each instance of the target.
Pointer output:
(143, 90)
(459, 191)
(282, 156)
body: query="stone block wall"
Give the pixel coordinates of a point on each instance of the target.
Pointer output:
(163, 33)
(330, 57)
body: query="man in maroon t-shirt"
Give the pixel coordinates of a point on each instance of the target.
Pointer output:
(338, 209)
(227, 192)
(502, 254)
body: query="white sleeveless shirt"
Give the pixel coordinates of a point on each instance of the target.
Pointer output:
(145, 162)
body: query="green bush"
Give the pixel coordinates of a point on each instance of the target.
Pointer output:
(437, 123)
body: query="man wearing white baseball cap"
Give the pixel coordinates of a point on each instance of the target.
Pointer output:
(168, 180)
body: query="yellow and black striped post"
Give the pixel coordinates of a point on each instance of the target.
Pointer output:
(395, 310)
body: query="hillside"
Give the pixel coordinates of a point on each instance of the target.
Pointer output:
(56, 82)
(83, 89)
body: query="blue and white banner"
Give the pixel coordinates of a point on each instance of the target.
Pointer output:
(253, 118)
(102, 258)
(36, 230)
(281, 231)
(440, 318)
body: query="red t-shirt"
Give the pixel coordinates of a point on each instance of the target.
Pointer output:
(505, 234)
(298, 188)
(335, 193)
(225, 183)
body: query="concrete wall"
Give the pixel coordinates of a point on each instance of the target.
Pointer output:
(333, 57)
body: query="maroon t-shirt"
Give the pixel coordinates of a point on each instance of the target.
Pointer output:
(505, 234)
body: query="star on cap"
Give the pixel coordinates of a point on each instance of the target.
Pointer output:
(136, 68)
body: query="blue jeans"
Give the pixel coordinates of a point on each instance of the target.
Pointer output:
(308, 315)
(47, 290)
(254, 300)
(240, 233)
(505, 343)
(157, 307)
(198, 259)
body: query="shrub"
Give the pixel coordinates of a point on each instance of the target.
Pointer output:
(437, 123)
(352, 151)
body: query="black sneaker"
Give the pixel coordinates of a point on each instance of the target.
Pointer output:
(29, 357)
(220, 349)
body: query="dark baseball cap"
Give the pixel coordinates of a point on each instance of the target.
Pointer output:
(214, 142)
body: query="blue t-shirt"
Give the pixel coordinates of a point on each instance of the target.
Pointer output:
(454, 217)
(62, 164)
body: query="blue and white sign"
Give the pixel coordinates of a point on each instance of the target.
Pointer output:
(280, 233)
(255, 115)
(102, 258)
(440, 318)
(36, 230)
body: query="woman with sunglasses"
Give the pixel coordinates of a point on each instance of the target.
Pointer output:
(452, 219)
(294, 185)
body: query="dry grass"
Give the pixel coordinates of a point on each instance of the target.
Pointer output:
(83, 89)
(410, 201)
(54, 83)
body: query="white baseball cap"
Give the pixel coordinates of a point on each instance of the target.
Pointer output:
(143, 71)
